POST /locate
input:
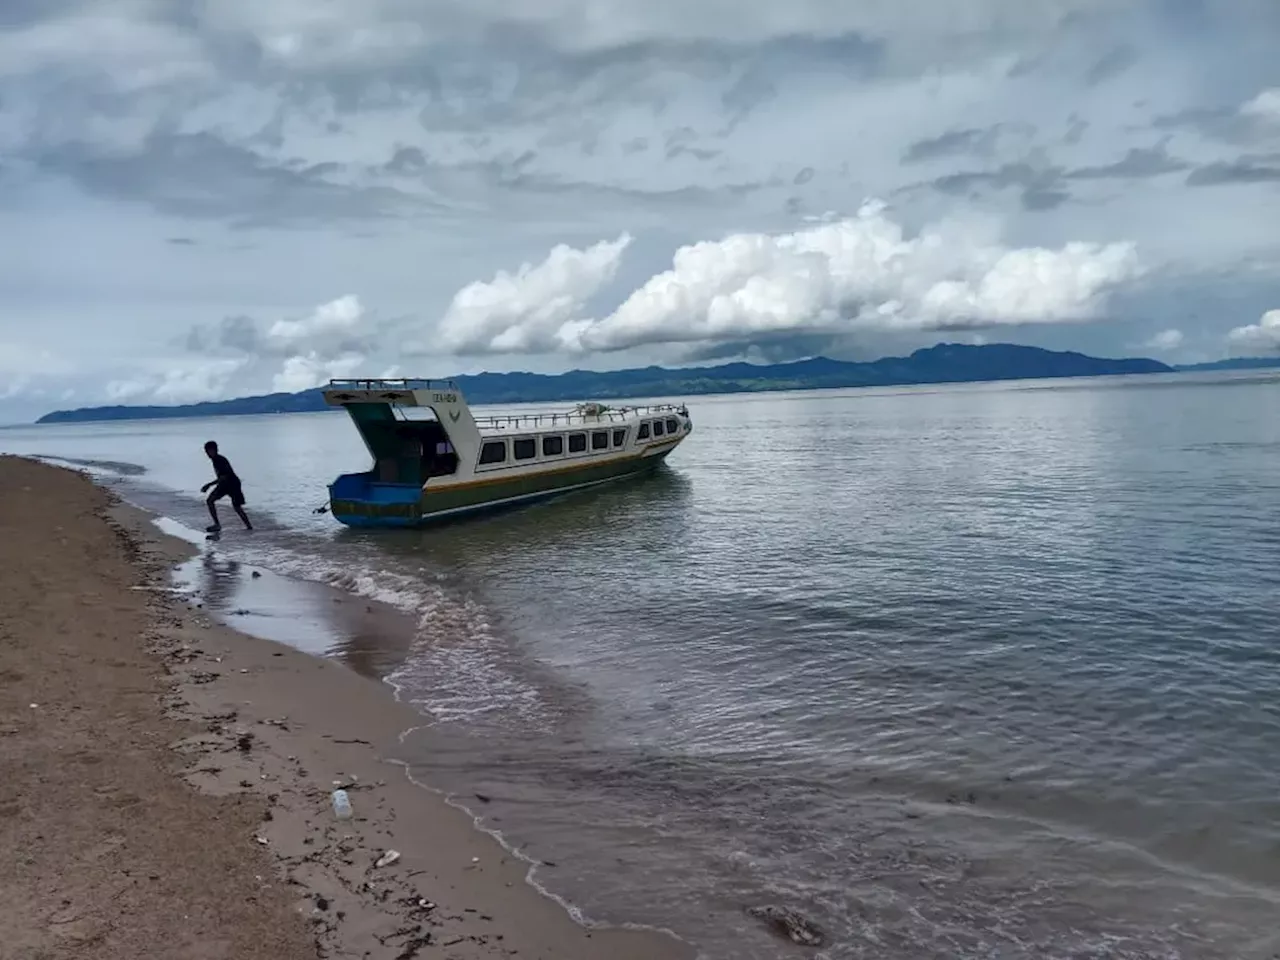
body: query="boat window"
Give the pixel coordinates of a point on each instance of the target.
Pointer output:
(495, 451)
(673, 425)
(552, 446)
(526, 448)
(657, 428)
(600, 440)
(619, 437)
(577, 442)
(643, 432)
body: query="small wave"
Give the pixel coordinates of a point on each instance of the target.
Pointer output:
(458, 668)
(531, 874)
(99, 468)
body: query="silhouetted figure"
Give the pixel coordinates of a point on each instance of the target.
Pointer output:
(225, 484)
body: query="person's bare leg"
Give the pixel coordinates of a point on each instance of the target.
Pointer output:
(240, 511)
(213, 512)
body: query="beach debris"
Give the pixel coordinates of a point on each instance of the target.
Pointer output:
(341, 805)
(35, 706)
(411, 947)
(261, 840)
(388, 858)
(482, 798)
(321, 903)
(256, 575)
(787, 923)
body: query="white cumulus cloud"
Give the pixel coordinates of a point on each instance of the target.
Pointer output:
(530, 310)
(309, 370)
(329, 322)
(843, 276)
(1265, 106)
(1260, 337)
(178, 383)
(1165, 340)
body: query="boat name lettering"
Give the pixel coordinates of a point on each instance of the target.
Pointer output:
(444, 398)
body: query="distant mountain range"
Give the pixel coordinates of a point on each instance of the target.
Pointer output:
(944, 363)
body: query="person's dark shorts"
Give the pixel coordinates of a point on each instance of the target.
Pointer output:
(228, 489)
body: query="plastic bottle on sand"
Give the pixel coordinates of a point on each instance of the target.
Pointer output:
(341, 805)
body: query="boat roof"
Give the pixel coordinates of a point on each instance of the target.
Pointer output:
(398, 390)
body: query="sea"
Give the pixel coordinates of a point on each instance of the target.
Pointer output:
(982, 671)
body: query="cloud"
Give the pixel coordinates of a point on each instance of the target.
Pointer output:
(1111, 64)
(1262, 337)
(1138, 163)
(970, 140)
(1044, 186)
(338, 327)
(335, 339)
(14, 387)
(1040, 185)
(189, 382)
(854, 274)
(202, 176)
(336, 320)
(309, 370)
(1265, 107)
(401, 150)
(1165, 340)
(24, 361)
(1242, 172)
(533, 310)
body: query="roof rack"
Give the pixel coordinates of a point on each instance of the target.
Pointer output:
(391, 383)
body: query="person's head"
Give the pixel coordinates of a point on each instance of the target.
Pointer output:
(210, 448)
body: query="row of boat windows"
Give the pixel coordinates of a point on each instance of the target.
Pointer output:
(526, 448)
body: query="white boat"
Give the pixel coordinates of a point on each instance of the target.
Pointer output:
(446, 461)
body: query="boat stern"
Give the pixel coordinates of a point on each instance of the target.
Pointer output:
(360, 500)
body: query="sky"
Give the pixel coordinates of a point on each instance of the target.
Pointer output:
(211, 198)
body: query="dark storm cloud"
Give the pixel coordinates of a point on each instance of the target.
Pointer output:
(1039, 185)
(1239, 172)
(15, 14)
(1111, 65)
(1138, 163)
(1225, 124)
(968, 141)
(237, 334)
(202, 177)
(1044, 186)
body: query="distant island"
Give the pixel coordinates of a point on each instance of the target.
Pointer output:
(944, 363)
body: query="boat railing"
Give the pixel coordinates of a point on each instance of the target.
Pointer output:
(392, 383)
(574, 417)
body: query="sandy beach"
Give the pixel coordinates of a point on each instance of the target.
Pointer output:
(167, 779)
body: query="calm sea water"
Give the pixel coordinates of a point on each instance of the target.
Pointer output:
(985, 671)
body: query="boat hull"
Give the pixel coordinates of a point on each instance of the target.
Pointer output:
(453, 500)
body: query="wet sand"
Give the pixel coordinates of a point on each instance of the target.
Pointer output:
(167, 779)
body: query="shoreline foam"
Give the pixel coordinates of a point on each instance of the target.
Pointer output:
(284, 724)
